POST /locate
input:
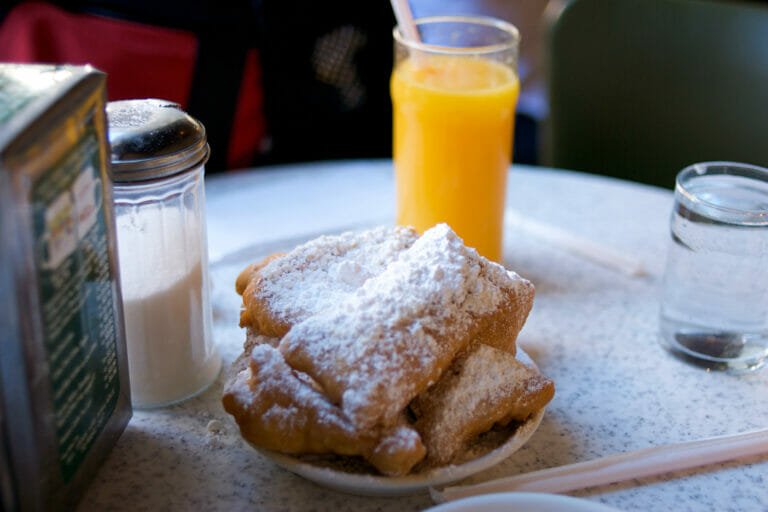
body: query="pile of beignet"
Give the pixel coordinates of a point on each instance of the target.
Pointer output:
(382, 344)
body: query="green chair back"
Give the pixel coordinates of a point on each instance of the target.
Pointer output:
(639, 89)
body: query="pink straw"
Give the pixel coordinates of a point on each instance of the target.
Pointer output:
(620, 467)
(405, 19)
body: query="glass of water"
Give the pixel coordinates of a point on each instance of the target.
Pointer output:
(714, 309)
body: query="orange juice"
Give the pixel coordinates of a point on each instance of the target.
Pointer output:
(453, 122)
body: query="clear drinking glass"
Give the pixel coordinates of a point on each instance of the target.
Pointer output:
(454, 93)
(714, 308)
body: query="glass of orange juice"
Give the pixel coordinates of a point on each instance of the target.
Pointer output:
(454, 92)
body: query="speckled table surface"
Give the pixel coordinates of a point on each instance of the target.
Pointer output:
(593, 330)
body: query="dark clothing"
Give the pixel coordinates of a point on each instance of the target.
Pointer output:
(272, 81)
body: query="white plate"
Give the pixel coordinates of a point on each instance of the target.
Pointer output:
(374, 485)
(527, 501)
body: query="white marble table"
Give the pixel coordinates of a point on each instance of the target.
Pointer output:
(593, 330)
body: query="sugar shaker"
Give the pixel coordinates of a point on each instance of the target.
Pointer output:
(158, 165)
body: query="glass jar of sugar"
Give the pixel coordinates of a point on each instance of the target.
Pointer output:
(158, 163)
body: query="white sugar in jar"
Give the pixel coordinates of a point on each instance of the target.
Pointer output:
(158, 158)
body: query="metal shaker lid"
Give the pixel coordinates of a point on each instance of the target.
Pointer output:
(153, 138)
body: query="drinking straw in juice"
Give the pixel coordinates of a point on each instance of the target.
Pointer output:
(453, 125)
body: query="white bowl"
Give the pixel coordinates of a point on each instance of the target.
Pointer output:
(527, 501)
(377, 485)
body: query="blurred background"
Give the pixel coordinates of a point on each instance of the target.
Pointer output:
(635, 89)
(273, 81)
